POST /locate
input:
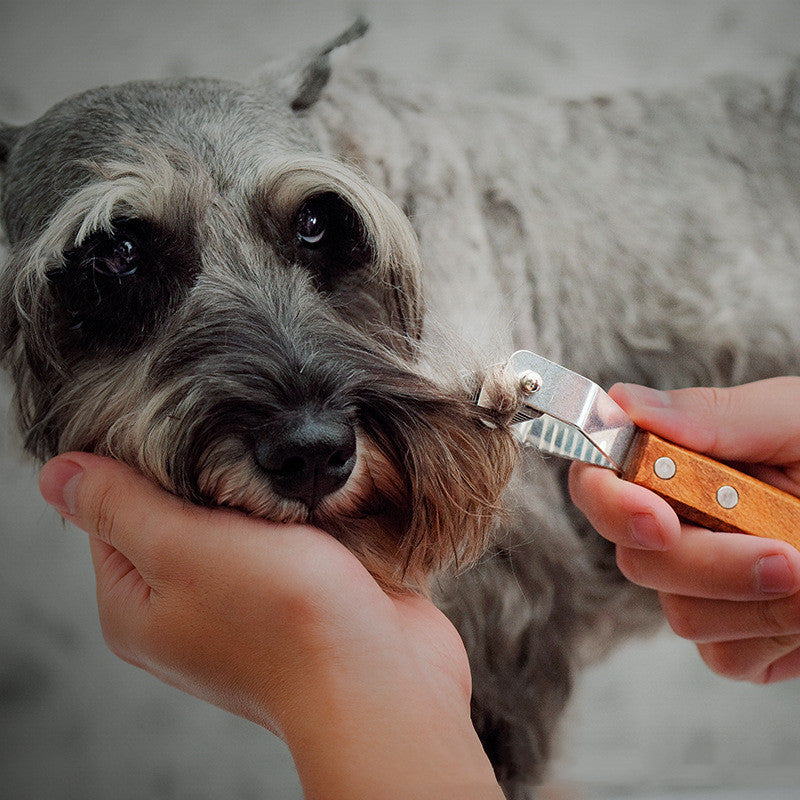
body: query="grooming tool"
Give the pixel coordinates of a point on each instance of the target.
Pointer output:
(568, 415)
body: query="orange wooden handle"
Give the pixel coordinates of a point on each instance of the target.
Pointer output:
(711, 494)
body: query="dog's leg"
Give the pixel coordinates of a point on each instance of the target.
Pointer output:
(541, 605)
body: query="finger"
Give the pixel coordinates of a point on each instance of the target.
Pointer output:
(785, 668)
(786, 478)
(718, 566)
(622, 512)
(757, 660)
(172, 542)
(702, 621)
(117, 505)
(756, 422)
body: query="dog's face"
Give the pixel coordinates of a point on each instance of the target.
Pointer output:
(193, 289)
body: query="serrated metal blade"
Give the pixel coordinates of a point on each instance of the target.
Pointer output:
(549, 435)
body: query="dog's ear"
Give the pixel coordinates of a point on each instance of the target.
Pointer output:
(304, 78)
(8, 135)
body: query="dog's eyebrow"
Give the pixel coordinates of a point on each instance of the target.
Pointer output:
(151, 187)
(283, 182)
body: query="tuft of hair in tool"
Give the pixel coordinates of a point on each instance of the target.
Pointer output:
(501, 393)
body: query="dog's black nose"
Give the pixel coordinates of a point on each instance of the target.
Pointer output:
(308, 457)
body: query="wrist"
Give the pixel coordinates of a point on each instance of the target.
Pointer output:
(385, 734)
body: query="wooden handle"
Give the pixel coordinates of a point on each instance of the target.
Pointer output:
(711, 494)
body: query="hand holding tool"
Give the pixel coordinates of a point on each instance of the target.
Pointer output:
(568, 415)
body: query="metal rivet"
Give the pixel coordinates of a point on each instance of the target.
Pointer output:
(530, 381)
(665, 468)
(727, 496)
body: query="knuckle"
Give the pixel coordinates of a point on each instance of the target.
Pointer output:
(781, 646)
(768, 619)
(680, 617)
(739, 661)
(714, 404)
(105, 502)
(724, 659)
(629, 563)
(764, 675)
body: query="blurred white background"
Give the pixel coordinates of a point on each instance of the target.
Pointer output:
(76, 723)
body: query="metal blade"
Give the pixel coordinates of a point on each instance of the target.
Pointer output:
(551, 436)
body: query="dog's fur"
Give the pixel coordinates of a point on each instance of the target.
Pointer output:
(653, 239)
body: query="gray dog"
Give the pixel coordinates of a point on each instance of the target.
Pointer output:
(223, 285)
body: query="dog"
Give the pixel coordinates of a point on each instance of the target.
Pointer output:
(283, 297)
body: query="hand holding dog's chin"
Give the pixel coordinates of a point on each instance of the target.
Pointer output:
(736, 596)
(282, 625)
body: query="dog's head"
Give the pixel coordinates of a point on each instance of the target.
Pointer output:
(193, 288)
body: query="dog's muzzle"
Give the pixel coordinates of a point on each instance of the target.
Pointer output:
(307, 455)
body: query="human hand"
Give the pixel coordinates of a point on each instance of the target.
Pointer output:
(736, 596)
(282, 625)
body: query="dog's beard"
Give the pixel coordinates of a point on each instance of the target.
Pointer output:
(369, 514)
(229, 477)
(424, 494)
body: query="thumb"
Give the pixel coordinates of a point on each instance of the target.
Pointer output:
(117, 505)
(756, 422)
(132, 526)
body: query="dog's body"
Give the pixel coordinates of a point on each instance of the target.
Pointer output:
(279, 297)
(648, 239)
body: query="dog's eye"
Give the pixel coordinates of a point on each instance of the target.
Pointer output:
(114, 254)
(329, 239)
(311, 221)
(116, 257)
(118, 285)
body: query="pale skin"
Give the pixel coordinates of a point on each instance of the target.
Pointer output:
(736, 596)
(282, 625)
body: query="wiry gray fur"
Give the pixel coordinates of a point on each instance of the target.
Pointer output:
(652, 239)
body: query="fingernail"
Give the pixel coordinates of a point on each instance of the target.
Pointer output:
(646, 532)
(58, 483)
(645, 397)
(774, 575)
